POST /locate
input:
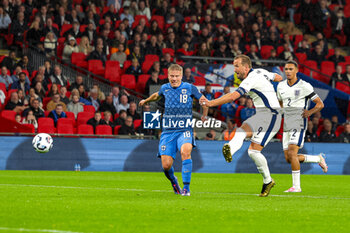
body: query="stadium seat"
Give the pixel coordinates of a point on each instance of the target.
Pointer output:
(78, 59)
(29, 128)
(160, 20)
(89, 108)
(9, 114)
(83, 117)
(217, 94)
(65, 129)
(45, 121)
(339, 130)
(137, 20)
(64, 28)
(137, 123)
(301, 57)
(266, 51)
(70, 115)
(343, 87)
(46, 125)
(116, 129)
(168, 50)
(148, 63)
(3, 88)
(347, 59)
(113, 71)
(85, 129)
(65, 121)
(96, 67)
(238, 116)
(128, 81)
(10, 92)
(297, 40)
(199, 81)
(327, 68)
(141, 82)
(310, 64)
(103, 130)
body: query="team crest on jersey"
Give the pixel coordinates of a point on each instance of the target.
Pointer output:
(163, 148)
(184, 91)
(297, 93)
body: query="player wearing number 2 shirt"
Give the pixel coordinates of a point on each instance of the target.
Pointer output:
(177, 134)
(294, 94)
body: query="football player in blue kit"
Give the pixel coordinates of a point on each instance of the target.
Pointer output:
(177, 132)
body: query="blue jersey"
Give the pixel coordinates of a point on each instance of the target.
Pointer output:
(178, 105)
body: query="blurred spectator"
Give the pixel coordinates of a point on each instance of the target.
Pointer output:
(115, 97)
(119, 55)
(304, 47)
(10, 61)
(5, 20)
(248, 111)
(166, 61)
(92, 20)
(153, 80)
(96, 120)
(51, 105)
(228, 110)
(57, 113)
(18, 118)
(156, 68)
(5, 78)
(82, 100)
(2, 97)
(98, 54)
(93, 98)
(63, 95)
(50, 28)
(128, 127)
(16, 73)
(50, 44)
(30, 119)
(53, 90)
(228, 133)
(235, 50)
(62, 18)
(320, 40)
(287, 54)
(171, 41)
(14, 104)
(25, 65)
(242, 100)
(21, 97)
(126, 14)
(77, 83)
(222, 51)
(18, 27)
(188, 77)
(317, 55)
(107, 105)
(21, 83)
(69, 48)
(336, 57)
(84, 46)
(143, 9)
(90, 32)
(311, 135)
(34, 33)
(39, 90)
(135, 68)
(58, 77)
(255, 54)
(345, 136)
(75, 106)
(273, 57)
(123, 103)
(327, 134)
(335, 122)
(272, 40)
(152, 47)
(320, 14)
(136, 54)
(337, 76)
(209, 137)
(121, 119)
(154, 29)
(108, 120)
(203, 51)
(48, 71)
(101, 95)
(132, 111)
(207, 92)
(346, 75)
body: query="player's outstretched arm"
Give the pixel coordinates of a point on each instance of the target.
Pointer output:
(278, 78)
(154, 97)
(318, 107)
(229, 97)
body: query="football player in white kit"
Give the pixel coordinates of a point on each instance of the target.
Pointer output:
(294, 95)
(262, 126)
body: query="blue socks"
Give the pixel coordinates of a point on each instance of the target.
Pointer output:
(170, 175)
(186, 173)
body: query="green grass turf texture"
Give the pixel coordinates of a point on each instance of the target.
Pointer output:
(144, 202)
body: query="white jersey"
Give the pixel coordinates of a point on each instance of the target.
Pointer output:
(259, 87)
(295, 99)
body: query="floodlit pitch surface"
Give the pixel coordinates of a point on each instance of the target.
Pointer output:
(63, 202)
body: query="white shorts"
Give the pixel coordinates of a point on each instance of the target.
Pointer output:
(264, 125)
(295, 137)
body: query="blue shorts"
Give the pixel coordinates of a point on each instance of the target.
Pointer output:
(171, 142)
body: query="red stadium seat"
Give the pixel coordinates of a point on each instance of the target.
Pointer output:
(141, 82)
(343, 87)
(301, 57)
(89, 108)
(103, 130)
(70, 115)
(199, 81)
(65, 27)
(78, 59)
(65, 121)
(137, 124)
(148, 63)
(65, 129)
(160, 20)
(116, 129)
(83, 117)
(128, 81)
(339, 130)
(96, 67)
(9, 114)
(85, 129)
(46, 125)
(347, 59)
(45, 121)
(327, 67)
(168, 50)
(113, 71)
(3, 88)
(217, 94)
(137, 20)
(28, 129)
(310, 64)
(266, 51)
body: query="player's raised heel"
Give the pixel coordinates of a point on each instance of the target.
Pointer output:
(226, 151)
(293, 190)
(323, 163)
(176, 187)
(267, 188)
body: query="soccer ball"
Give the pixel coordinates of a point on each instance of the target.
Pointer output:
(42, 143)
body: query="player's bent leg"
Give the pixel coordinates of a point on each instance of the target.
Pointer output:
(229, 149)
(186, 150)
(260, 161)
(167, 164)
(320, 159)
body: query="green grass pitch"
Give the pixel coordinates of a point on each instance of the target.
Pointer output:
(69, 202)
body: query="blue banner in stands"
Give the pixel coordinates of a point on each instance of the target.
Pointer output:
(99, 154)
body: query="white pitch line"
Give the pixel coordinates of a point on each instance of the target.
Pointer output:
(166, 191)
(35, 230)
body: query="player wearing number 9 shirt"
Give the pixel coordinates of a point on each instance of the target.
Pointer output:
(294, 95)
(262, 126)
(177, 133)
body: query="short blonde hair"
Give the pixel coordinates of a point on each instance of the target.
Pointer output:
(245, 60)
(175, 67)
